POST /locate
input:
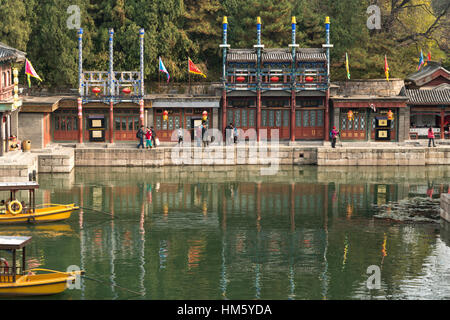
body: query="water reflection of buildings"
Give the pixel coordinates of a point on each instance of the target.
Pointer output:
(277, 237)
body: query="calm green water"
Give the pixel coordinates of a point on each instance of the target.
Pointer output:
(307, 233)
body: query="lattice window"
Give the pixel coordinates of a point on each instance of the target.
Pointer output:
(305, 119)
(237, 118)
(244, 118)
(344, 123)
(271, 118)
(251, 122)
(313, 118)
(278, 118)
(298, 119)
(320, 118)
(264, 118)
(285, 118)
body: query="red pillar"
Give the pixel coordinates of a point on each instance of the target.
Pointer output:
(258, 114)
(224, 112)
(111, 122)
(442, 123)
(327, 116)
(80, 120)
(293, 102)
(141, 112)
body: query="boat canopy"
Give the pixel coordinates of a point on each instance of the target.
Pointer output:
(10, 186)
(13, 243)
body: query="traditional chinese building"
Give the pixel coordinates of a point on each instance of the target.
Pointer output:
(285, 89)
(9, 99)
(370, 110)
(428, 92)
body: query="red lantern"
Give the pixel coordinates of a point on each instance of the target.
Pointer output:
(126, 90)
(96, 90)
(165, 115)
(309, 79)
(205, 115)
(350, 115)
(240, 79)
(390, 115)
(274, 79)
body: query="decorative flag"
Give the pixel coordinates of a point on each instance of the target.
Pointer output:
(421, 60)
(386, 68)
(346, 66)
(194, 69)
(162, 68)
(30, 72)
(428, 58)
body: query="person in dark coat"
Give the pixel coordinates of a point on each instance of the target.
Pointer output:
(153, 137)
(140, 136)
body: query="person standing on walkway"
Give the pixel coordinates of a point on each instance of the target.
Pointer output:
(180, 135)
(334, 134)
(140, 135)
(228, 134)
(148, 137)
(430, 137)
(153, 137)
(235, 135)
(204, 135)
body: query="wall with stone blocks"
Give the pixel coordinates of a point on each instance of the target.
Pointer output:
(445, 206)
(31, 128)
(62, 162)
(215, 156)
(400, 156)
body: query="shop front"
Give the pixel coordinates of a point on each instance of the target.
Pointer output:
(187, 113)
(370, 120)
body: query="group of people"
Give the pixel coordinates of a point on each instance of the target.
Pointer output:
(149, 135)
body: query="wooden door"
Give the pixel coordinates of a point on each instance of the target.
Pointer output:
(126, 127)
(354, 129)
(65, 127)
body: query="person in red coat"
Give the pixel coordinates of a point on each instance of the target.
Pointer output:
(430, 137)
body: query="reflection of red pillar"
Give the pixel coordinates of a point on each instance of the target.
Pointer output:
(141, 112)
(224, 210)
(327, 116)
(292, 198)
(224, 112)
(293, 116)
(80, 120)
(81, 206)
(111, 122)
(258, 114)
(442, 123)
(325, 207)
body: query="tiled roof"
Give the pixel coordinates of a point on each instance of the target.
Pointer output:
(276, 55)
(242, 55)
(428, 70)
(311, 54)
(417, 96)
(9, 53)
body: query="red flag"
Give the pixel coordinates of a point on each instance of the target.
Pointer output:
(429, 56)
(194, 69)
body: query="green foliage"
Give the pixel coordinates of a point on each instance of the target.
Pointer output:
(178, 29)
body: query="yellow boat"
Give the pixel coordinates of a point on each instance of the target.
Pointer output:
(17, 281)
(13, 211)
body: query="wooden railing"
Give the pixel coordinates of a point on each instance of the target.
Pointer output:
(7, 275)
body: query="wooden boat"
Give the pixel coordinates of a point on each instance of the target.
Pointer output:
(13, 211)
(17, 281)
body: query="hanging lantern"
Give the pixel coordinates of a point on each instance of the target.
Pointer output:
(350, 115)
(165, 115)
(274, 79)
(390, 115)
(240, 79)
(309, 79)
(96, 90)
(126, 90)
(205, 115)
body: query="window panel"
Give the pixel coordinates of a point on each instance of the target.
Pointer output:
(286, 118)
(271, 118)
(264, 118)
(69, 123)
(177, 122)
(164, 124)
(124, 123)
(57, 120)
(75, 123)
(305, 119)
(313, 118)
(136, 123)
(171, 123)
(244, 118)
(320, 118)
(344, 123)
(298, 119)
(117, 120)
(158, 123)
(252, 114)
(188, 122)
(237, 118)
(278, 118)
(230, 117)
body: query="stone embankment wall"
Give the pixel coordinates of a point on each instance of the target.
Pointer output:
(445, 206)
(61, 162)
(173, 156)
(395, 156)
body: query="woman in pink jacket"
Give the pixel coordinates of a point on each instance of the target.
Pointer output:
(431, 137)
(334, 134)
